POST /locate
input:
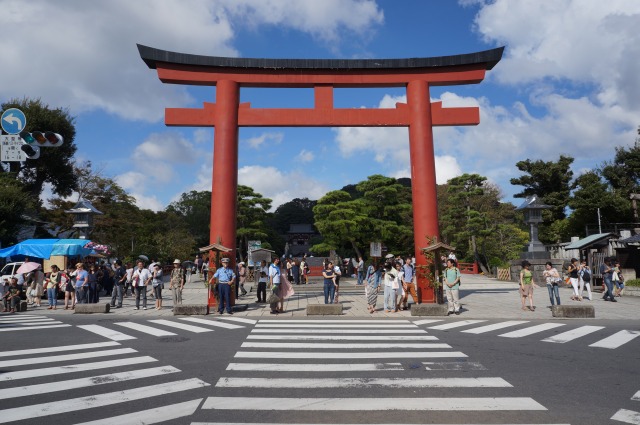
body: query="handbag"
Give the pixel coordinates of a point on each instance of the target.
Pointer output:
(273, 298)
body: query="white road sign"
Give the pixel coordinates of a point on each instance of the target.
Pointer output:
(10, 149)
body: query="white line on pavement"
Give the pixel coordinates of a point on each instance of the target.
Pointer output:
(30, 328)
(64, 357)
(106, 332)
(627, 416)
(314, 367)
(99, 400)
(337, 321)
(321, 345)
(30, 323)
(144, 329)
(495, 326)
(76, 367)
(238, 319)
(456, 324)
(27, 320)
(459, 365)
(636, 396)
(617, 339)
(323, 355)
(531, 330)
(215, 323)
(319, 326)
(425, 321)
(573, 334)
(376, 404)
(57, 349)
(183, 326)
(152, 416)
(341, 331)
(347, 337)
(50, 387)
(226, 382)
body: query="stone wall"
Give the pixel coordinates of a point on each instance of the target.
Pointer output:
(537, 267)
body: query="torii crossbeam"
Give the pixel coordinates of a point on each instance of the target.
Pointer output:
(227, 114)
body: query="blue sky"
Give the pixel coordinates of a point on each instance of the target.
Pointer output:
(568, 83)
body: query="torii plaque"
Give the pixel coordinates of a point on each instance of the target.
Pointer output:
(227, 114)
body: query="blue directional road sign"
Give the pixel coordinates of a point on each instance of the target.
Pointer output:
(13, 121)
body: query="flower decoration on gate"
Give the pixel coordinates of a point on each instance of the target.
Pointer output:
(99, 248)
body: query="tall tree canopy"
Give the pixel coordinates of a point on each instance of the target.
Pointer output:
(251, 221)
(195, 208)
(296, 211)
(15, 201)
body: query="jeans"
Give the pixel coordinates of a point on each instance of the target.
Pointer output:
(329, 292)
(117, 293)
(609, 285)
(141, 291)
(360, 277)
(93, 292)
(81, 295)
(51, 297)
(554, 290)
(224, 297)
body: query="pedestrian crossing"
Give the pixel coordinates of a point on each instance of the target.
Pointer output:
(13, 322)
(303, 368)
(126, 330)
(595, 335)
(628, 416)
(91, 376)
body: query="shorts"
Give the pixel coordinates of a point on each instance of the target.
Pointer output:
(526, 290)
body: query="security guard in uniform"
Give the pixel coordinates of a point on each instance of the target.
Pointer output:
(225, 276)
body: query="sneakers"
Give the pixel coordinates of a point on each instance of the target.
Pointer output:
(144, 308)
(136, 308)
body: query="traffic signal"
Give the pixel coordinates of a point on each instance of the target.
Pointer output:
(32, 151)
(42, 139)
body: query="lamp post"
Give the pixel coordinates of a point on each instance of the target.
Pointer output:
(83, 213)
(532, 208)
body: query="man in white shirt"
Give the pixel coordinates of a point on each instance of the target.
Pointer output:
(338, 273)
(274, 280)
(360, 271)
(141, 278)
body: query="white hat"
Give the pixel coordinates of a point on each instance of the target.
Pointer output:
(241, 263)
(176, 261)
(389, 256)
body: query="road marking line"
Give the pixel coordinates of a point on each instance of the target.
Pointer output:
(627, 416)
(314, 367)
(264, 423)
(341, 331)
(152, 416)
(13, 316)
(238, 319)
(227, 382)
(460, 365)
(50, 387)
(617, 339)
(64, 357)
(495, 326)
(19, 319)
(573, 334)
(30, 328)
(78, 367)
(374, 404)
(323, 355)
(347, 337)
(336, 321)
(636, 396)
(30, 323)
(456, 324)
(214, 323)
(57, 349)
(144, 329)
(319, 326)
(106, 332)
(100, 400)
(321, 345)
(425, 321)
(531, 330)
(183, 326)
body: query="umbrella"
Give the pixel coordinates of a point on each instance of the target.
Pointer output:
(188, 264)
(28, 267)
(143, 257)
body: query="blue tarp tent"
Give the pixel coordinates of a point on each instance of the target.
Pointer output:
(45, 248)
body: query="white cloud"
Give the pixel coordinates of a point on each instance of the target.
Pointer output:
(305, 156)
(132, 180)
(148, 202)
(257, 141)
(168, 146)
(82, 54)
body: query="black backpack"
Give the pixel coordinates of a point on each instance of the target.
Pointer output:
(586, 275)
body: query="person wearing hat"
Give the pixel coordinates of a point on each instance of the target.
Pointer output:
(225, 276)
(177, 282)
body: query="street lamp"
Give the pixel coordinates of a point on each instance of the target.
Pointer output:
(532, 208)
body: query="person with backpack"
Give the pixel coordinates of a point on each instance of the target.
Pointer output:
(585, 278)
(452, 286)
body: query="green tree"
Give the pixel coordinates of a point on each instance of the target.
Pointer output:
(296, 211)
(15, 201)
(251, 218)
(338, 219)
(551, 182)
(195, 208)
(623, 175)
(55, 164)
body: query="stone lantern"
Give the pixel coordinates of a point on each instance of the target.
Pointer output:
(83, 213)
(532, 208)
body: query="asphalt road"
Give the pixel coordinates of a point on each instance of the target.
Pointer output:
(92, 369)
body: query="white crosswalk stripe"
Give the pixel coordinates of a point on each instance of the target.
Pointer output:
(494, 327)
(106, 332)
(97, 390)
(627, 416)
(617, 339)
(311, 347)
(456, 324)
(214, 323)
(531, 330)
(133, 326)
(183, 326)
(573, 334)
(10, 323)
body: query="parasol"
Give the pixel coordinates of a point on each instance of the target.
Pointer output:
(27, 267)
(143, 257)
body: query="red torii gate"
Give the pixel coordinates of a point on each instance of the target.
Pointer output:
(323, 75)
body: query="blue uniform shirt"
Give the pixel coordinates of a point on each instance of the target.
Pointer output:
(224, 275)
